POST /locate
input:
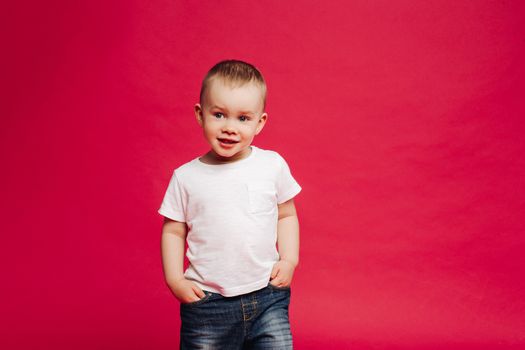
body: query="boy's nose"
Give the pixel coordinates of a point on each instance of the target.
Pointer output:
(229, 131)
(228, 128)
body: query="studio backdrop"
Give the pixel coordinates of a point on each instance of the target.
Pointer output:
(402, 121)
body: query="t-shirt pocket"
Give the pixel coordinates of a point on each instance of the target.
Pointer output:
(262, 197)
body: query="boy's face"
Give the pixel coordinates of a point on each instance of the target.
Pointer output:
(231, 117)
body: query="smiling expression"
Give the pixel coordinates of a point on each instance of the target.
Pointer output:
(230, 116)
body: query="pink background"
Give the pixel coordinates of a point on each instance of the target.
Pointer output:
(402, 120)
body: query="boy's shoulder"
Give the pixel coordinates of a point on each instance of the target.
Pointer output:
(268, 154)
(268, 158)
(187, 167)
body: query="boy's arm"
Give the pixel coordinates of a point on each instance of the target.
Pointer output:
(288, 244)
(172, 251)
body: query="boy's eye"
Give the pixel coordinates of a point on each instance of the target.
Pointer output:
(218, 115)
(243, 118)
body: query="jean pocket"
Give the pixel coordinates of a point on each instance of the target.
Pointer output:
(278, 288)
(262, 197)
(198, 302)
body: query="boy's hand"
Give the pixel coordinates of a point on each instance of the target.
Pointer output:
(282, 273)
(186, 291)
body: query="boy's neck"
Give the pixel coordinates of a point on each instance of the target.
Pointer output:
(215, 159)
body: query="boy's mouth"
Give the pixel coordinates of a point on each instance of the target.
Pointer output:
(228, 141)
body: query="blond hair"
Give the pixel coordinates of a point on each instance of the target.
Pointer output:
(236, 73)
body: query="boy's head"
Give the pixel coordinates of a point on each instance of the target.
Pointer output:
(231, 109)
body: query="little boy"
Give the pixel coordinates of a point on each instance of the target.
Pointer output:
(232, 206)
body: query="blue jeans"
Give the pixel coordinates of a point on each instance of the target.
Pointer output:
(255, 320)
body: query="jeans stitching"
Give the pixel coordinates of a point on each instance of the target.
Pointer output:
(252, 303)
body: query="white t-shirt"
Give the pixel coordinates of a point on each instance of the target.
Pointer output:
(231, 213)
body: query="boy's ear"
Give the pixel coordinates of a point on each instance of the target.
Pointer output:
(261, 123)
(198, 113)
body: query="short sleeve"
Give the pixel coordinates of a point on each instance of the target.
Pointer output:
(287, 187)
(172, 205)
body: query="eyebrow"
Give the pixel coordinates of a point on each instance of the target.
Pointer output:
(247, 112)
